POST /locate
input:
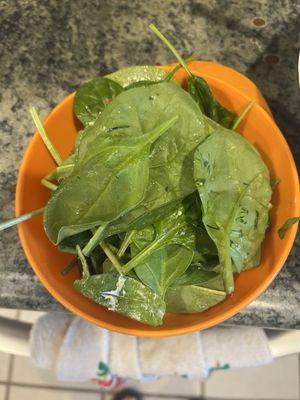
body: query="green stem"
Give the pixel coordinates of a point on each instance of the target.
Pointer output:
(243, 114)
(85, 267)
(225, 260)
(48, 184)
(143, 254)
(22, 218)
(51, 175)
(172, 49)
(44, 136)
(126, 242)
(94, 241)
(177, 68)
(69, 267)
(113, 248)
(63, 168)
(54, 174)
(110, 255)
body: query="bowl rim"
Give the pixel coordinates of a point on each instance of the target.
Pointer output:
(146, 332)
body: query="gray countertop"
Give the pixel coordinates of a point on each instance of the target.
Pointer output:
(47, 48)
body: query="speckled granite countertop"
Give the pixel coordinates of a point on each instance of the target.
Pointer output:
(48, 47)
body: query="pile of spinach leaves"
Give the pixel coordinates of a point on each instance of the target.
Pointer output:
(161, 201)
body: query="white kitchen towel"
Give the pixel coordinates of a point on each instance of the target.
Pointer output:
(46, 338)
(178, 355)
(124, 356)
(235, 347)
(79, 351)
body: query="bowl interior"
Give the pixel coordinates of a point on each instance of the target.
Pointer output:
(259, 128)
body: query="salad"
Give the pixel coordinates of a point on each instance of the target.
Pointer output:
(161, 201)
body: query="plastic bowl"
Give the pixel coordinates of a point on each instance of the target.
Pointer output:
(234, 91)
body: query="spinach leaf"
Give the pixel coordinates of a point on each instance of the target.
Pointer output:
(215, 283)
(234, 187)
(140, 84)
(202, 94)
(129, 75)
(68, 245)
(108, 267)
(192, 299)
(194, 275)
(288, 223)
(181, 225)
(140, 218)
(176, 228)
(171, 157)
(168, 78)
(107, 181)
(142, 109)
(163, 266)
(96, 260)
(199, 89)
(253, 263)
(125, 296)
(93, 96)
(134, 112)
(126, 241)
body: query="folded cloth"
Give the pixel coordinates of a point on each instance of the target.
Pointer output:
(46, 338)
(179, 355)
(235, 347)
(124, 356)
(79, 351)
(82, 349)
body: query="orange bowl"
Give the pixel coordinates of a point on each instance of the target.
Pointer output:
(234, 91)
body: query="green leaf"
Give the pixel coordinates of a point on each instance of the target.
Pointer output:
(201, 93)
(199, 89)
(234, 187)
(288, 223)
(168, 78)
(141, 217)
(171, 157)
(125, 296)
(68, 245)
(176, 228)
(110, 175)
(130, 75)
(215, 283)
(162, 267)
(192, 299)
(126, 242)
(92, 97)
(253, 263)
(140, 84)
(108, 267)
(96, 260)
(194, 275)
